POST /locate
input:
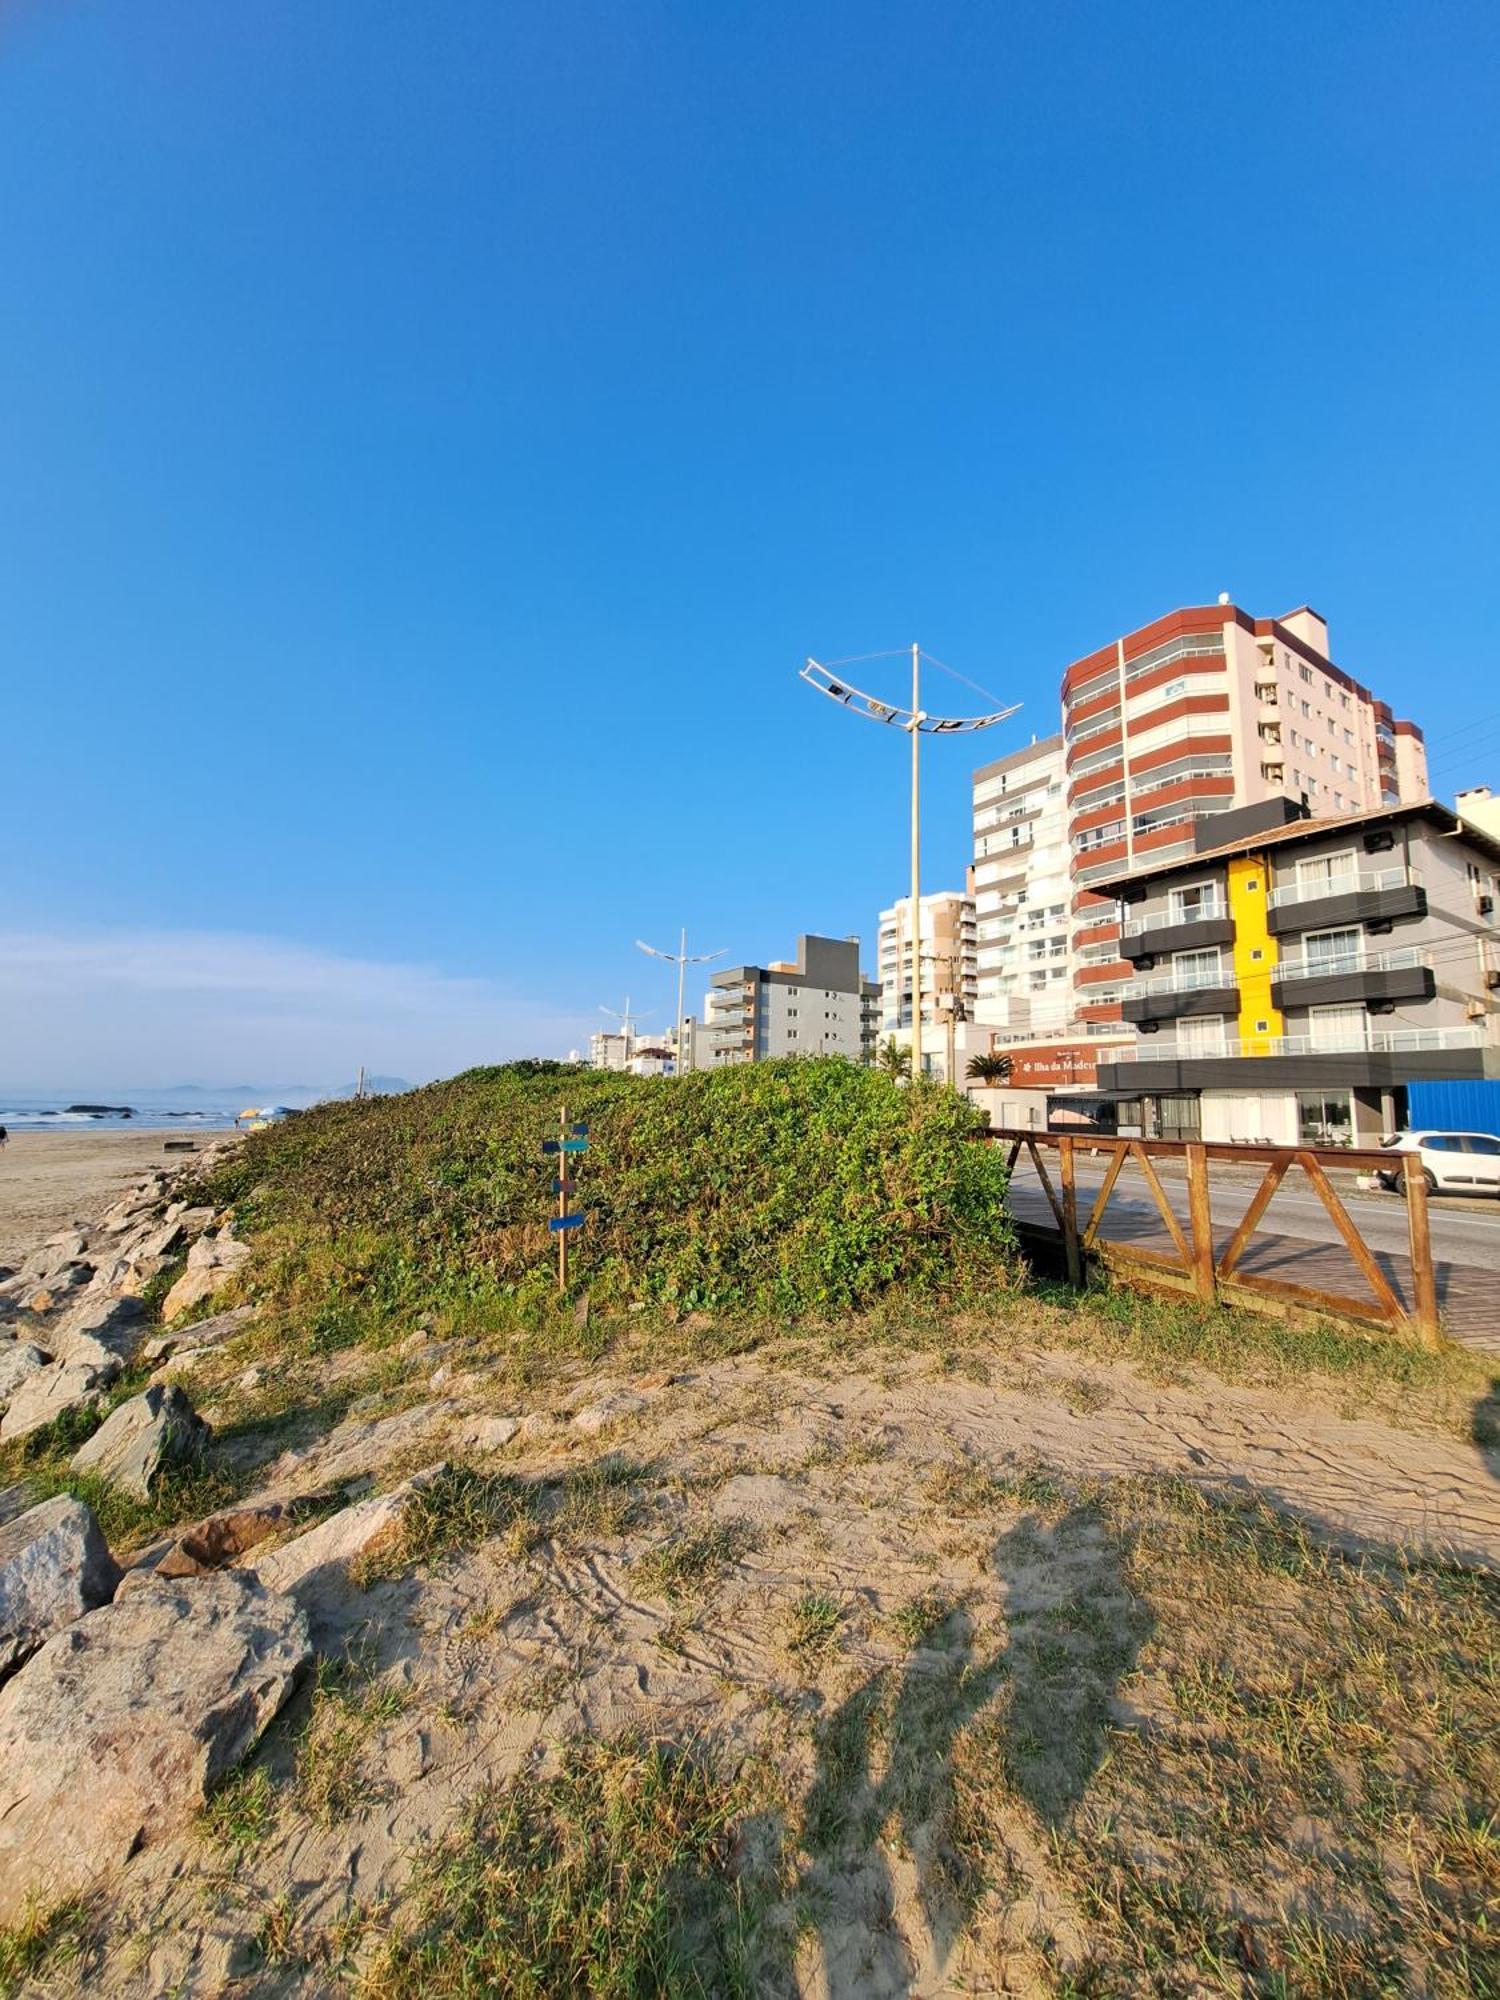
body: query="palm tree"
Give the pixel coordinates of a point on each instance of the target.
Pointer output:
(895, 1061)
(991, 1069)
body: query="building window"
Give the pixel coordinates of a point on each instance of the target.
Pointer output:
(1332, 951)
(1191, 904)
(1196, 969)
(1338, 1029)
(1324, 870)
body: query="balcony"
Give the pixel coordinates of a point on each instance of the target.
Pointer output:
(1347, 978)
(1182, 929)
(1367, 896)
(1365, 1058)
(1188, 992)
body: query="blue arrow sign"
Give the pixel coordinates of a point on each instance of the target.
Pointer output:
(563, 1186)
(564, 1221)
(551, 1145)
(575, 1145)
(582, 1130)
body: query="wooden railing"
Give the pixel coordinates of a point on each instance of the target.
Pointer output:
(1194, 1265)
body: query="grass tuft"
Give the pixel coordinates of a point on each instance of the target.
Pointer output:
(611, 1878)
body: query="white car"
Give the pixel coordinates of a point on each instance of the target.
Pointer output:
(1453, 1162)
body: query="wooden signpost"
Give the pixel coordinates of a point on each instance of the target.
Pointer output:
(571, 1141)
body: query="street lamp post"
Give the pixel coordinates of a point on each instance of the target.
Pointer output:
(916, 724)
(682, 959)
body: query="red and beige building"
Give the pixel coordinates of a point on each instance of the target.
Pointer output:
(1206, 710)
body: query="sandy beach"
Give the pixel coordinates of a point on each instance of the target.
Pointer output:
(49, 1179)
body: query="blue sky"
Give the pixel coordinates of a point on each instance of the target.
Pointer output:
(431, 438)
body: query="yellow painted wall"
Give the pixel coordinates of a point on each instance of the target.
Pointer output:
(1249, 882)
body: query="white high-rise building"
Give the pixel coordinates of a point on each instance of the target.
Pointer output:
(1022, 891)
(948, 965)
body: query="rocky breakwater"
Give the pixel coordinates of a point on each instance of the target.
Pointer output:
(133, 1704)
(72, 1317)
(132, 1683)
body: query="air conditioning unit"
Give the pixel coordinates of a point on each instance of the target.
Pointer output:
(1492, 980)
(1149, 1027)
(1477, 1011)
(1486, 905)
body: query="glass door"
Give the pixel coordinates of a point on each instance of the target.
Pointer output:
(1324, 952)
(1338, 1028)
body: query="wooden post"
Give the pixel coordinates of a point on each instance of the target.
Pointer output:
(562, 1199)
(1200, 1215)
(1071, 1249)
(1419, 1237)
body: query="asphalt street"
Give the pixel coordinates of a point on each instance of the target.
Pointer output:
(1297, 1239)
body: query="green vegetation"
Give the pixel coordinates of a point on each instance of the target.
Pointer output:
(813, 1627)
(41, 1460)
(690, 1563)
(348, 1705)
(41, 1941)
(798, 1187)
(611, 1878)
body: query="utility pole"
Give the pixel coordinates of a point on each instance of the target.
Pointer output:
(914, 728)
(917, 725)
(682, 958)
(627, 1021)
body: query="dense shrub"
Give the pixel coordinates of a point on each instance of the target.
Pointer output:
(808, 1186)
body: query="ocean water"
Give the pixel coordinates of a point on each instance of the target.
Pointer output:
(64, 1113)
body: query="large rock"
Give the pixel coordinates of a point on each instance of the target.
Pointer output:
(19, 1360)
(356, 1449)
(308, 1564)
(113, 1735)
(213, 1263)
(58, 1252)
(54, 1566)
(65, 1385)
(202, 1333)
(48, 1295)
(142, 1439)
(113, 1324)
(216, 1541)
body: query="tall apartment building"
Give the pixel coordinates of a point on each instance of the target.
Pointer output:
(1202, 712)
(946, 959)
(822, 1005)
(1022, 890)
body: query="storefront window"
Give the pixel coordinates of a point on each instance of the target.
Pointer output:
(1325, 1118)
(1179, 1117)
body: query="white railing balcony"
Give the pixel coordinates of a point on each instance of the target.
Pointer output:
(1190, 979)
(1325, 1042)
(1209, 910)
(1362, 881)
(1350, 961)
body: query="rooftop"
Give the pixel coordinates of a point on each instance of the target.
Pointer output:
(1304, 830)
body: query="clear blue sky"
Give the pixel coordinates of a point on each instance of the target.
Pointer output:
(432, 436)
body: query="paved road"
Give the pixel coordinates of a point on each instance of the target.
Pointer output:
(1297, 1240)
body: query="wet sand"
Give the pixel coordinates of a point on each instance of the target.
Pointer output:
(50, 1179)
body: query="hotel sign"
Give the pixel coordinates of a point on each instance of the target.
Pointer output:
(1055, 1065)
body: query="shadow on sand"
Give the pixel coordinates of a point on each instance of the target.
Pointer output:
(893, 1777)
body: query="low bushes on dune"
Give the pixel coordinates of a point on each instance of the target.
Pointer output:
(800, 1187)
